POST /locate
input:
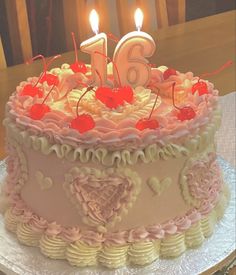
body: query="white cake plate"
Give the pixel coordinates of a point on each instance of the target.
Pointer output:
(19, 259)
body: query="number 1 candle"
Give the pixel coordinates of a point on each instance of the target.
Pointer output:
(97, 43)
(130, 54)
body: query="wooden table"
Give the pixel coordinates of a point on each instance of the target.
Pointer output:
(202, 45)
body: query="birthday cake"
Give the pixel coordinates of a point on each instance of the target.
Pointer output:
(112, 174)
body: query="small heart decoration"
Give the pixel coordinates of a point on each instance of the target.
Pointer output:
(44, 182)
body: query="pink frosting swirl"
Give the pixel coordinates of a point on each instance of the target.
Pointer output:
(71, 234)
(91, 237)
(53, 229)
(182, 223)
(156, 232)
(38, 224)
(116, 238)
(115, 134)
(137, 234)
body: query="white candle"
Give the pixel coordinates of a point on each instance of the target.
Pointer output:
(97, 43)
(130, 54)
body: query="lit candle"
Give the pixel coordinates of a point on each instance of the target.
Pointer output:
(97, 43)
(130, 54)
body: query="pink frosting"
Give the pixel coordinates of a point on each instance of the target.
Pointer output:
(91, 237)
(71, 234)
(38, 224)
(55, 124)
(204, 179)
(53, 229)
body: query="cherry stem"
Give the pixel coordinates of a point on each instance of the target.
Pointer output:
(113, 37)
(154, 105)
(44, 66)
(100, 78)
(173, 96)
(47, 95)
(75, 47)
(114, 64)
(90, 88)
(226, 65)
(52, 59)
(78, 82)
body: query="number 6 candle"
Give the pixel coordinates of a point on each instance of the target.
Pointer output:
(97, 43)
(130, 54)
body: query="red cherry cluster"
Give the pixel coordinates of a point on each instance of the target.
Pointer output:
(113, 97)
(77, 66)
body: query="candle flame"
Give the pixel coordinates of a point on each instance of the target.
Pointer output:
(138, 18)
(94, 21)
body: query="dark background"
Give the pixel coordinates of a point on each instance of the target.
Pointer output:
(48, 33)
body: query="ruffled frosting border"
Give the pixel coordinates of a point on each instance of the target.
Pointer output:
(113, 254)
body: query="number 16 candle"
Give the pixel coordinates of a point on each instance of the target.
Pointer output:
(97, 43)
(130, 54)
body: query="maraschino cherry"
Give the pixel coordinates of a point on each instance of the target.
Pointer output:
(184, 113)
(201, 86)
(77, 66)
(169, 72)
(51, 79)
(148, 123)
(32, 90)
(115, 97)
(83, 122)
(38, 110)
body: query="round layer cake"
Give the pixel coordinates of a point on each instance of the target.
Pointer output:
(113, 176)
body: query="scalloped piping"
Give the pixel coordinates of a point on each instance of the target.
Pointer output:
(117, 158)
(113, 256)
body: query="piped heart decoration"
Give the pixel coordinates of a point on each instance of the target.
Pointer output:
(102, 196)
